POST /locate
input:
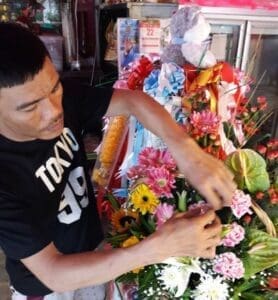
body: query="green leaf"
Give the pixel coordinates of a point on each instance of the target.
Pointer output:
(117, 239)
(147, 223)
(129, 277)
(147, 279)
(113, 201)
(262, 254)
(249, 169)
(252, 296)
(182, 201)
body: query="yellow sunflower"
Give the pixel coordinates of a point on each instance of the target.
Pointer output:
(144, 199)
(123, 218)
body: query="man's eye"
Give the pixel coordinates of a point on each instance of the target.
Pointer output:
(30, 108)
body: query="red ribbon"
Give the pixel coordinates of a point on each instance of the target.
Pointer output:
(139, 73)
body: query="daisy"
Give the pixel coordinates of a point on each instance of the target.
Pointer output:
(144, 199)
(151, 157)
(161, 181)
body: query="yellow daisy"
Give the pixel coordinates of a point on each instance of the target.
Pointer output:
(144, 199)
(122, 219)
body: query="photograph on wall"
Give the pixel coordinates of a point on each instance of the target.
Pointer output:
(128, 42)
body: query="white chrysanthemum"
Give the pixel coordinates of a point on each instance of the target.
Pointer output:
(211, 289)
(169, 277)
(176, 275)
(175, 279)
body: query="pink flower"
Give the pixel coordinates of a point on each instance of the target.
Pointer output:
(136, 172)
(241, 204)
(151, 157)
(272, 155)
(120, 84)
(261, 100)
(261, 149)
(228, 265)
(235, 236)
(163, 212)
(273, 143)
(206, 122)
(160, 181)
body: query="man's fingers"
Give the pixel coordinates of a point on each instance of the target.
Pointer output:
(208, 218)
(209, 253)
(214, 230)
(225, 189)
(212, 197)
(214, 241)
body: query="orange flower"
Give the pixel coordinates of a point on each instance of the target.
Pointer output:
(123, 219)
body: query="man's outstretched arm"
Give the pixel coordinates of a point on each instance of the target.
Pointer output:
(207, 174)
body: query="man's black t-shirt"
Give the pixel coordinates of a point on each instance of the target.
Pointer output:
(45, 190)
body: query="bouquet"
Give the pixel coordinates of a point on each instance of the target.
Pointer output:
(213, 107)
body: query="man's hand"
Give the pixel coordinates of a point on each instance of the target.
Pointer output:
(187, 235)
(207, 174)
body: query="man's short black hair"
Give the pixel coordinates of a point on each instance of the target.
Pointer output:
(22, 55)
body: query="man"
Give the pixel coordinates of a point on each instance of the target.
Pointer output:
(48, 219)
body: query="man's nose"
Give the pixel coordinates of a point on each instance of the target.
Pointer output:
(52, 107)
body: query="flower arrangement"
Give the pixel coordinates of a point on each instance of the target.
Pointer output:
(219, 116)
(213, 107)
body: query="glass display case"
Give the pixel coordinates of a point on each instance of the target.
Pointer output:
(248, 39)
(261, 62)
(227, 40)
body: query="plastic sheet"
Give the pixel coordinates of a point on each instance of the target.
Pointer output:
(111, 146)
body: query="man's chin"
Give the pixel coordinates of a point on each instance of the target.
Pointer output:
(51, 135)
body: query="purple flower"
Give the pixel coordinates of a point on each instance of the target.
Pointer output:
(228, 265)
(163, 212)
(235, 236)
(241, 204)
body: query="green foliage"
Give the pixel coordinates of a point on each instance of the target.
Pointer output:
(249, 169)
(113, 201)
(148, 224)
(129, 277)
(115, 240)
(147, 280)
(262, 254)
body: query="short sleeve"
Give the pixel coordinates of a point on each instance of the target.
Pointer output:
(19, 237)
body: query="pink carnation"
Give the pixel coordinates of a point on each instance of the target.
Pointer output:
(160, 181)
(151, 157)
(163, 212)
(235, 236)
(206, 122)
(228, 265)
(241, 204)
